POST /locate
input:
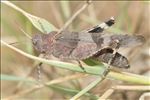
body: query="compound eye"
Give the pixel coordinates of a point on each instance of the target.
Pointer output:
(34, 41)
(36, 38)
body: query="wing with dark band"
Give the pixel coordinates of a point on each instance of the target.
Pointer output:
(106, 54)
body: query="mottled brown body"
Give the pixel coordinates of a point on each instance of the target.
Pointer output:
(82, 45)
(91, 43)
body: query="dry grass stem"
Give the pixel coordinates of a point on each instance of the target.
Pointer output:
(73, 17)
(55, 81)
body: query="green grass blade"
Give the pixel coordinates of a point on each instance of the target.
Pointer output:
(14, 78)
(69, 91)
(39, 23)
(65, 8)
(85, 90)
(122, 15)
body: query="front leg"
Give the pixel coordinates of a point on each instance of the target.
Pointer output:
(80, 65)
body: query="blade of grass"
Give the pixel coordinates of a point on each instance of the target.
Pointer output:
(39, 23)
(5, 25)
(55, 81)
(85, 90)
(69, 91)
(122, 15)
(110, 91)
(74, 16)
(124, 76)
(29, 46)
(14, 78)
(56, 13)
(65, 9)
(106, 94)
(132, 88)
(92, 13)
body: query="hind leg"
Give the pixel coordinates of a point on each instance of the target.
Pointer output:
(115, 47)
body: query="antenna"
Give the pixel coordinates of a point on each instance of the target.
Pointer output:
(26, 34)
